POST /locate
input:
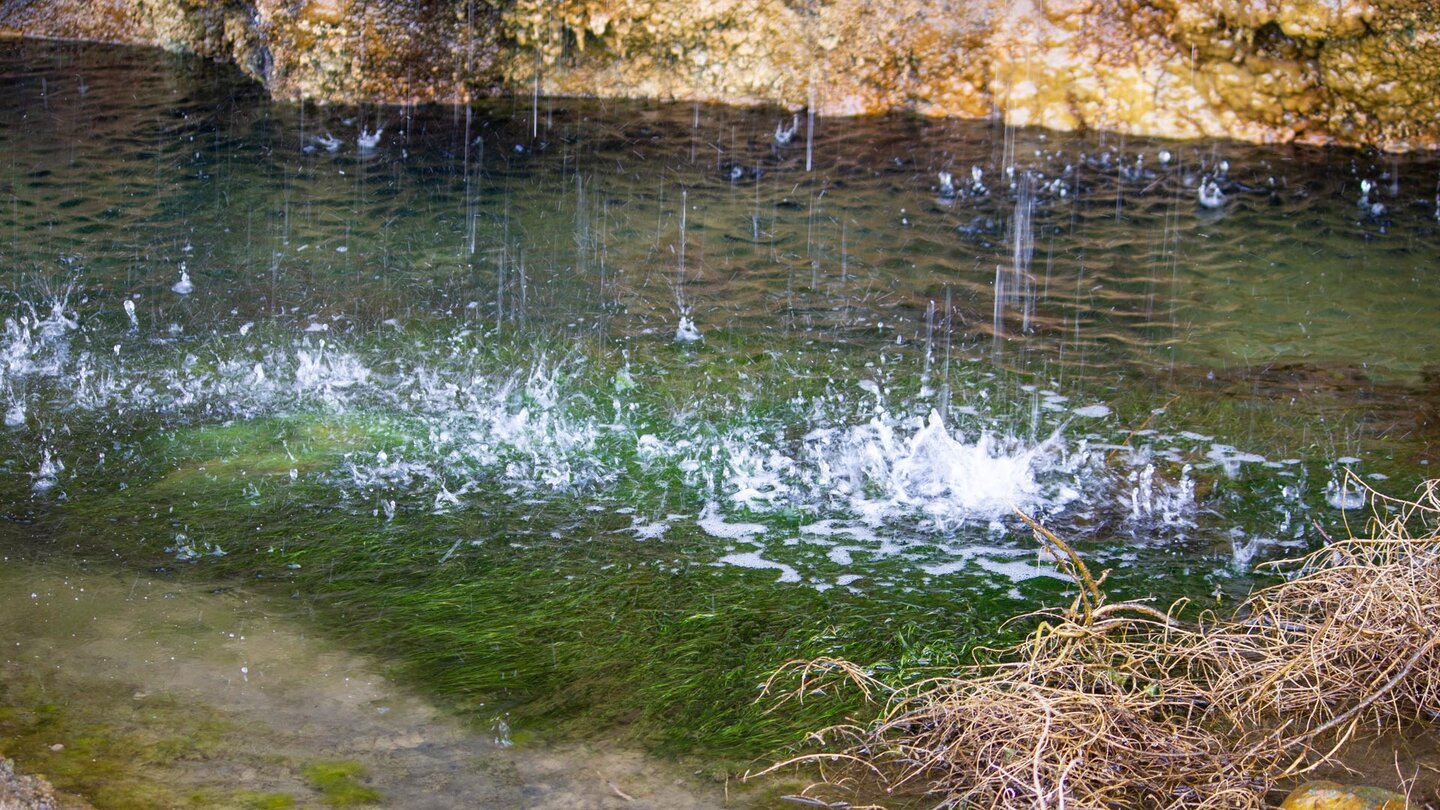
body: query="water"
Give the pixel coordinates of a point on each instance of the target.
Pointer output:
(155, 685)
(564, 415)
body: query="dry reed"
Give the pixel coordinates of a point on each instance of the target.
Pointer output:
(1119, 705)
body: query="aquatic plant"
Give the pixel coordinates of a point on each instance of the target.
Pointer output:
(1122, 705)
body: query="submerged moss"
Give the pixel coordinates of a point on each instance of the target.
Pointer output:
(539, 609)
(80, 747)
(266, 801)
(339, 783)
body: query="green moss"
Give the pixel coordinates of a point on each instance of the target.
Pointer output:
(338, 782)
(266, 801)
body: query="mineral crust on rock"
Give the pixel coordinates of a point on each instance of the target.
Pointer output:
(1323, 71)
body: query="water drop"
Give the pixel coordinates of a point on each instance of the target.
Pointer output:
(182, 287)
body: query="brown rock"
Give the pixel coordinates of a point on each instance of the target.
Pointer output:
(1350, 71)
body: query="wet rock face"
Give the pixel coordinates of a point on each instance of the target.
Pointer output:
(1353, 71)
(331, 50)
(374, 50)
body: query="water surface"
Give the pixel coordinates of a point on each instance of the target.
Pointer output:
(144, 689)
(587, 418)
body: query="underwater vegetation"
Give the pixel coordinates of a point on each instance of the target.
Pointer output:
(584, 546)
(339, 783)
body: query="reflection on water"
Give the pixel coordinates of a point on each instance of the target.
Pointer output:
(685, 349)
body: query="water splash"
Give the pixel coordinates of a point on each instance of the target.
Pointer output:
(886, 476)
(322, 374)
(686, 331)
(184, 286)
(48, 475)
(368, 140)
(1344, 494)
(1154, 500)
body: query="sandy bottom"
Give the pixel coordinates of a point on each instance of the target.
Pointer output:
(154, 657)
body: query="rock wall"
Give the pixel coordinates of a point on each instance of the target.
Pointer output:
(389, 51)
(1349, 71)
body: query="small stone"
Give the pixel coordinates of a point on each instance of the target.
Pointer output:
(1335, 796)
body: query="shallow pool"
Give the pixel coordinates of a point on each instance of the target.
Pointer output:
(584, 416)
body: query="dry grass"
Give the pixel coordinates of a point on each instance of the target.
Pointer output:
(1118, 705)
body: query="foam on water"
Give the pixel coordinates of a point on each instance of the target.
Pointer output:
(651, 530)
(751, 559)
(836, 528)
(1016, 566)
(714, 525)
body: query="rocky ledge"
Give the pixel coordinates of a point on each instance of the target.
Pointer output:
(1320, 71)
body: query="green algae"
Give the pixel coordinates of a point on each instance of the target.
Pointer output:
(118, 761)
(339, 783)
(265, 801)
(553, 635)
(576, 638)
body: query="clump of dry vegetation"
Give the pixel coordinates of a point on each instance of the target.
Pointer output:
(1119, 705)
